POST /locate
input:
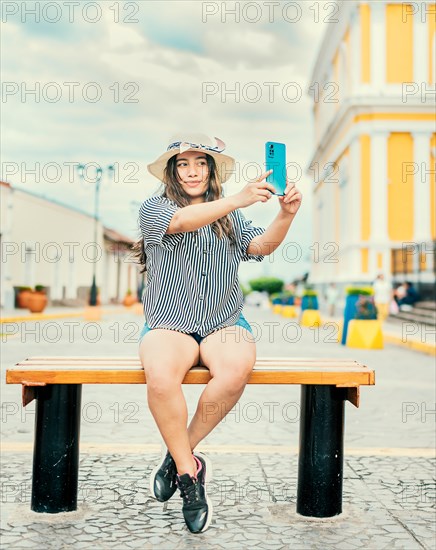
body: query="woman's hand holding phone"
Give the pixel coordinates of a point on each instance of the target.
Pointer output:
(291, 201)
(258, 190)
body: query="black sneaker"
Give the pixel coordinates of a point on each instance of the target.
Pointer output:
(197, 508)
(163, 478)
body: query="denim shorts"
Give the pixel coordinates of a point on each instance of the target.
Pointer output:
(242, 322)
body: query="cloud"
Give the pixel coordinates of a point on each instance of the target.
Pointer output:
(164, 62)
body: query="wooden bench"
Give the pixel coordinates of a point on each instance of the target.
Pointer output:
(56, 383)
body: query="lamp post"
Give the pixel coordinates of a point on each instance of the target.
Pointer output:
(99, 173)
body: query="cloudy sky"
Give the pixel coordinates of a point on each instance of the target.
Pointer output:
(108, 83)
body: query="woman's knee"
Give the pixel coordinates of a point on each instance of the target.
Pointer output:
(235, 378)
(162, 380)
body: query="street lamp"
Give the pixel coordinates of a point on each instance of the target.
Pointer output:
(99, 173)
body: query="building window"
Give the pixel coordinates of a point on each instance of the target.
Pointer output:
(402, 260)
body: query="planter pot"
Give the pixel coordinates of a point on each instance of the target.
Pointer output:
(309, 302)
(349, 314)
(289, 301)
(23, 298)
(37, 302)
(365, 334)
(277, 308)
(310, 318)
(129, 300)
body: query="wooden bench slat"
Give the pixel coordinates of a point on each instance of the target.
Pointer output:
(346, 379)
(128, 368)
(136, 360)
(259, 363)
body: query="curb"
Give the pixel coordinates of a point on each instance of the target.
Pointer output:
(42, 316)
(423, 347)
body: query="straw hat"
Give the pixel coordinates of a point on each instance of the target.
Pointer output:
(195, 142)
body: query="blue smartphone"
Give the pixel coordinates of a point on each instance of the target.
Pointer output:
(275, 159)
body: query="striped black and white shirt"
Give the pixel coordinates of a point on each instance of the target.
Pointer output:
(192, 277)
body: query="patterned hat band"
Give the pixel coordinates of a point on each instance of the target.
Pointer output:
(179, 143)
(185, 145)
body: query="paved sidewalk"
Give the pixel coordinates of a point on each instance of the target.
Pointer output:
(388, 503)
(389, 485)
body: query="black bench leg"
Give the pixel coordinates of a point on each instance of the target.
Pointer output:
(56, 448)
(321, 456)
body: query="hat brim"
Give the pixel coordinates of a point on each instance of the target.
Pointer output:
(225, 165)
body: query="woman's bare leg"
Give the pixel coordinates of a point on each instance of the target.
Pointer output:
(230, 355)
(166, 356)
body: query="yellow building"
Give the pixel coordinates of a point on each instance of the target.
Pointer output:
(373, 167)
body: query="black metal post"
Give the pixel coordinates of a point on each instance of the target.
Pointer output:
(93, 293)
(321, 456)
(56, 448)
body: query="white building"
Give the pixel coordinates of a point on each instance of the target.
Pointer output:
(48, 243)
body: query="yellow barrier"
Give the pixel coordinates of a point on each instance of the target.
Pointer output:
(310, 318)
(289, 311)
(365, 334)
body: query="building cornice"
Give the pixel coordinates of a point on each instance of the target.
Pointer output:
(364, 106)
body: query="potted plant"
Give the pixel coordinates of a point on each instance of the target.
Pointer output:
(287, 298)
(309, 299)
(288, 304)
(365, 308)
(353, 295)
(23, 296)
(310, 315)
(129, 299)
(276, 298)
(365, 331)
(37, 299)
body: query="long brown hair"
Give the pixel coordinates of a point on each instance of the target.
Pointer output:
(174, 191)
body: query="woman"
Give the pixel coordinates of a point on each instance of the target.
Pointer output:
(193, 241)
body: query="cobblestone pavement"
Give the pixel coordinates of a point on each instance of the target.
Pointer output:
(388, 503)
(389, 485)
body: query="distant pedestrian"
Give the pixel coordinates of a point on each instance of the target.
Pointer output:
(193, 240)
(331, 296)
(400, 292)
(382, 296)
(411, 296)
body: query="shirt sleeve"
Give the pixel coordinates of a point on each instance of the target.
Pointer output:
(155, 215)
(247, 233)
